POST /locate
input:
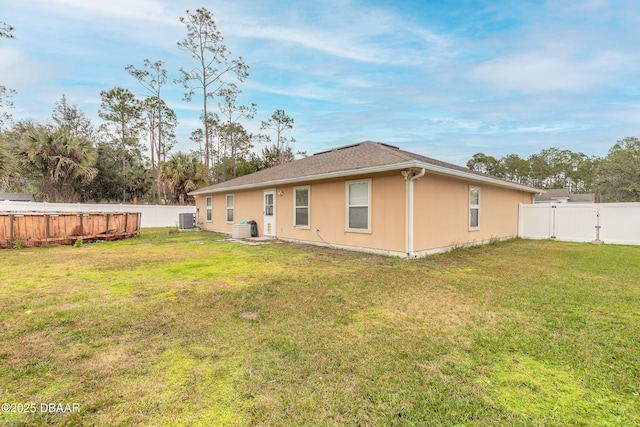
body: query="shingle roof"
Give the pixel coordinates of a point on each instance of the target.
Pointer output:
(353, 159)
(554, 193)
(17, 197)
(562, 193)
(587, 197)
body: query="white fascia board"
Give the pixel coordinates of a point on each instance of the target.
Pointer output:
(375, 169)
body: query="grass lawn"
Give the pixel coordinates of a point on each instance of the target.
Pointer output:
(184, 329)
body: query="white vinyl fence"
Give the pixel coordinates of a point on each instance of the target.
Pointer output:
(608, 222)
(152, 215)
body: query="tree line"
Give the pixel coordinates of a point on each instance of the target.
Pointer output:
(613, 178)
(70, 159)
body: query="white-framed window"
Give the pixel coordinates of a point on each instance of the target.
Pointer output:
(301, 203)
(474, 208)
(209, 207)
(230, 202)
(358, 205)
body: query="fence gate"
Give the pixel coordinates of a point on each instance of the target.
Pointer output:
(573, 223)
(608, 222)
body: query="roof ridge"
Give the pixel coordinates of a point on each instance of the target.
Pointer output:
(404, 155)
(345, 147)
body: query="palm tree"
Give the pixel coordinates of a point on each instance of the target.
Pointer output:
(5, 160)
(184, 172)
(62, 159)
(140, 181)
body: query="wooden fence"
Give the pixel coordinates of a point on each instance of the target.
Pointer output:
(152, 215)
(31, 229)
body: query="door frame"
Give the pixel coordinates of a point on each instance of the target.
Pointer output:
(272, 220)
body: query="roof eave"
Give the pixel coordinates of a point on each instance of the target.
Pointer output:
(482, 178)
(306, 178)
(375, 169)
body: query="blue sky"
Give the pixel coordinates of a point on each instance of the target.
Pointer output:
(445, 79)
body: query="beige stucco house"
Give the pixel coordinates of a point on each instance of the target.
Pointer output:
(370, 197)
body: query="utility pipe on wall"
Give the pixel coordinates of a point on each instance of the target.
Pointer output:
(411, 179)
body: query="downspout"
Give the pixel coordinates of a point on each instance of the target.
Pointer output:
(406, 174)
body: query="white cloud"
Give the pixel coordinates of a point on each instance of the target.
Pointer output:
(18, 71)
(358, 32)
(306, 91)
(548, 70)
(10, 57)
(453, 123)
(140, 10)
(306, 39)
